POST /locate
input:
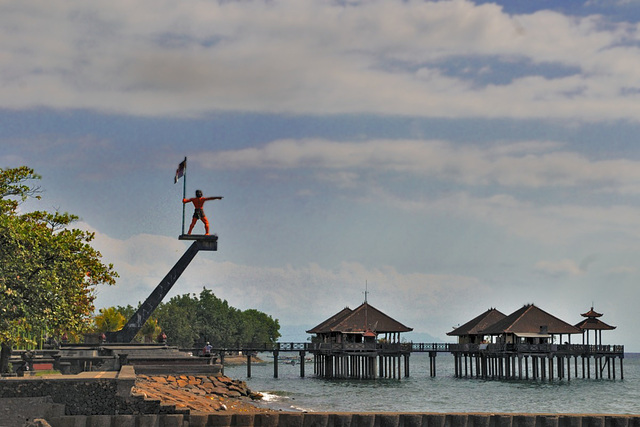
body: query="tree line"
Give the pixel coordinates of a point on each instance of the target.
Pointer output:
(190, 321)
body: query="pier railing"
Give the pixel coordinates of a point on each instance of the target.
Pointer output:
(567, 349)
(314, 346)
(429, 347)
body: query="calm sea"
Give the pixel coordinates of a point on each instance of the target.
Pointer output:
(421, 393)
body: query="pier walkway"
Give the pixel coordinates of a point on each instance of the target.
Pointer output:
(488, 361)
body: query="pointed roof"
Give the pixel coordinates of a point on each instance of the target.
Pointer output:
(591, 313)
(326, 325)
(594, 324)
(476, 325)
(366, 317)
(530, 319)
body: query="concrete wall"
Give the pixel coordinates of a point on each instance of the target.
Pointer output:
(298, 419)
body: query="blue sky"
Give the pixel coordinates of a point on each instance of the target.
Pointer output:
(452, 156)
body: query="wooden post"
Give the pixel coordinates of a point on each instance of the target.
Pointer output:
(519, 367)
(248, 365)
(613, 361)
(393, 366)
(275, 363)
(406, 364)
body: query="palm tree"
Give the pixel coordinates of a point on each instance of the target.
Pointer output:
(109, 320)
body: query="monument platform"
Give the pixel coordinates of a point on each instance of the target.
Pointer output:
(207, 237)
(205, 242)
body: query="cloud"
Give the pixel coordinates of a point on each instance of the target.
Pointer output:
(194, 57)
(548, 224)
(529, 164)
(564, 267)
(623, 270)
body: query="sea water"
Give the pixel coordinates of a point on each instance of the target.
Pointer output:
(444, 393)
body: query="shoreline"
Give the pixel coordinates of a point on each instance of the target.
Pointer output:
(242, 360)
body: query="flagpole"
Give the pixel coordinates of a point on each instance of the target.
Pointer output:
(184, 192)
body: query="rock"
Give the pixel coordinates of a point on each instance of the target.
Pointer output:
(200, 393)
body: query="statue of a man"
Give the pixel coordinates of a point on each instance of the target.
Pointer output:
(198, 213)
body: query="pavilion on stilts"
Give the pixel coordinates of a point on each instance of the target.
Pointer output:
(601, 353)
(346, 345)
(529, 344)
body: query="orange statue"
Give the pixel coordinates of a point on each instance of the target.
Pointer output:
(198, 214)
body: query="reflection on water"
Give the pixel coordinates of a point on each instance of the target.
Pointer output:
(421, 393)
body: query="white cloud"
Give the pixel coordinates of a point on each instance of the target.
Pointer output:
(623, 270)
(521, 164)
(551, 225)
(163, 58)
(559, 268)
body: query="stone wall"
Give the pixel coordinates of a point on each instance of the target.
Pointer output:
(299, 419)
(85, 396)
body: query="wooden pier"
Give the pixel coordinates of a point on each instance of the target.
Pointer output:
(537, 361)
(484, 361)
(361, 360)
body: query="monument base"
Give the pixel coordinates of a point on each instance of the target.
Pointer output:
(207, 237)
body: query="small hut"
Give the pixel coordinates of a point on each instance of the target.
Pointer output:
(346, 345)
(593, 323)
(523, 345)
(363, 324)
(472, 331)
(530, 325)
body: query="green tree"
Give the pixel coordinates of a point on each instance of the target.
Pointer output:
(127, 311)
(177, 319)
(216, 320)
(109, 319)
(259, 327)
(149, 331)
(190, 321)
(112, 319)
(48, 270)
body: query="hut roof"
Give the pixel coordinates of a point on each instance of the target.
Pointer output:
(364, 318)
(594, 324)
(476, 325)
(529, 319)
(591, 313)
(335, 319)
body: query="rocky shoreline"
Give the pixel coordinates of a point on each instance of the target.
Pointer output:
(198, 393)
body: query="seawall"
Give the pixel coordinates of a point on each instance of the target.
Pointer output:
(390, 419)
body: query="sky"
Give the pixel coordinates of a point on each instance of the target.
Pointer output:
(447, 157)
